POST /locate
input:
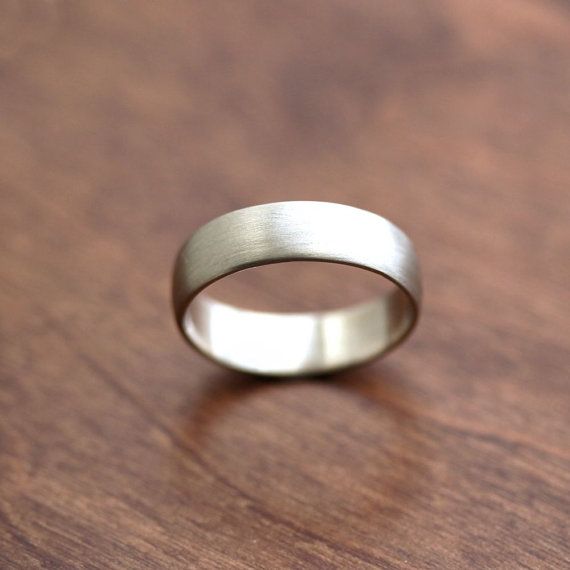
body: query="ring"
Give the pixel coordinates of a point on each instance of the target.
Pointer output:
(287, 344)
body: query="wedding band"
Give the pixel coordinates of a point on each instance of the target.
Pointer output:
(286, 344)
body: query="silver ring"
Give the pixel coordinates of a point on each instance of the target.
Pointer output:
(286, 344)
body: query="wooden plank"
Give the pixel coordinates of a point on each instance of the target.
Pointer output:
(125, 125)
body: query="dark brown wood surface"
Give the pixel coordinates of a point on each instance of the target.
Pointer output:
(125, 125)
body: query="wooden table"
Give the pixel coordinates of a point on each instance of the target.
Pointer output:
(125, 125)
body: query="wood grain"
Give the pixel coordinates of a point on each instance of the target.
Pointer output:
(125, 125)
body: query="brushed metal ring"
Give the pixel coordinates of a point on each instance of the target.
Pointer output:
(286, 344)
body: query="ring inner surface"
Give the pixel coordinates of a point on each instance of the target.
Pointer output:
(274, 343)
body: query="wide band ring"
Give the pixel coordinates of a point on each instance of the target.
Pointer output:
(286, 344)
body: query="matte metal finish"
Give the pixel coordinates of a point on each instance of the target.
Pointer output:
(284, 344)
